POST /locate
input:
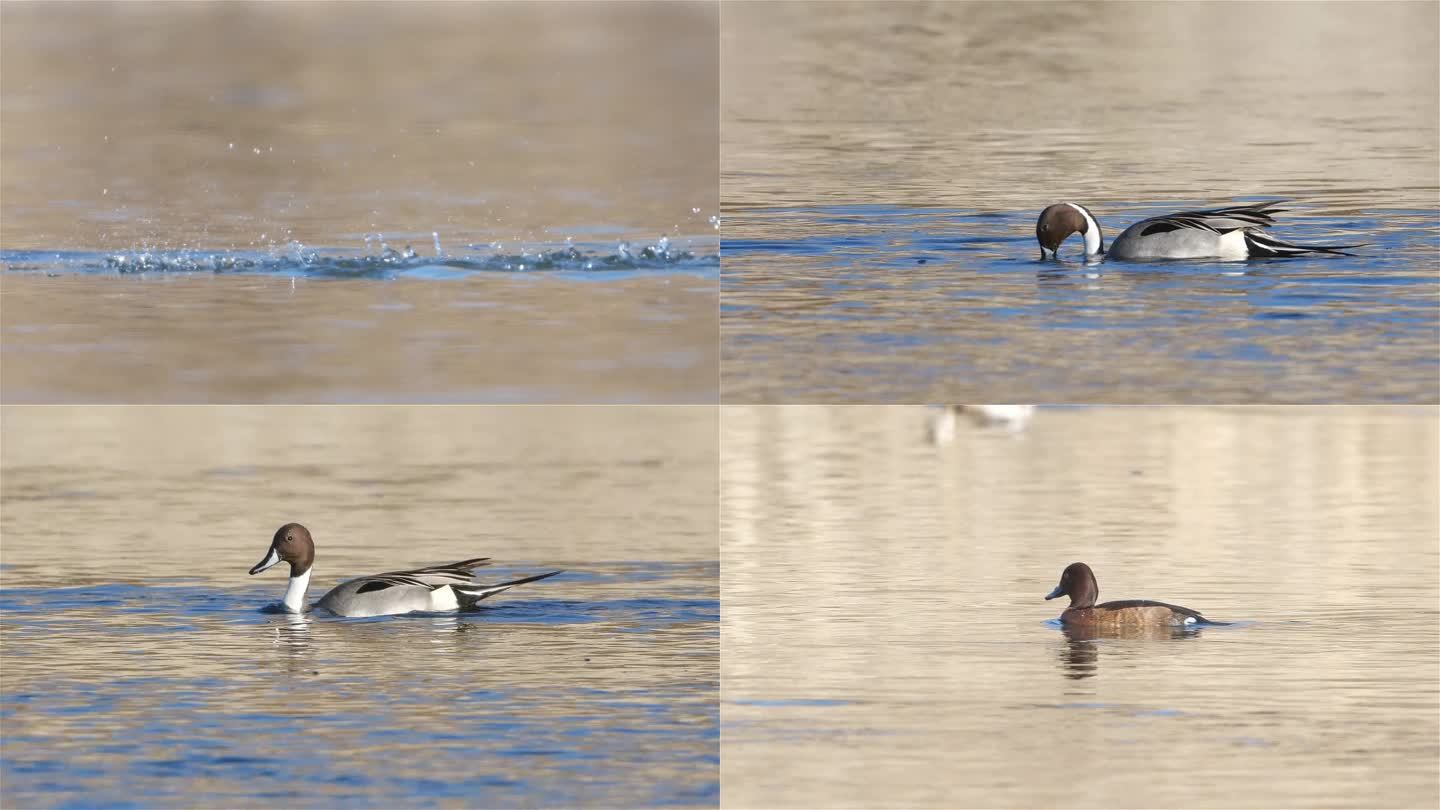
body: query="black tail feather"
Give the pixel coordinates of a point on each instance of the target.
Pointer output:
(535, 578)
(470, 594)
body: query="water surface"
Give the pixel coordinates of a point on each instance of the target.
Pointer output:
(143, 667)
(360, 142)
(884, 165)
(886, 642)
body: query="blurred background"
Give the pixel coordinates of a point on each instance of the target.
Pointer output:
(227, 124)
(140, 658)
(886, 637)
(1017, 105)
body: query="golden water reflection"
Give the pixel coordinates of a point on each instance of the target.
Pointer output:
(886, 642)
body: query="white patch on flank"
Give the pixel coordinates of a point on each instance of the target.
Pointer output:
(1232, 246)
(444, 599)
(1092, 231)
(295, 594)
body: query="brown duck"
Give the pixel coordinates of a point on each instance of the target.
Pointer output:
(1078, 582)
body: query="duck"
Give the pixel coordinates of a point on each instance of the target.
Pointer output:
(1078, 582)
(941, 426)
(436, 588)
(1236, 232)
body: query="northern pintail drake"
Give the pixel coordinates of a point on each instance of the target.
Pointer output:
(1078, 582)
(1218, 233)
(436, 588)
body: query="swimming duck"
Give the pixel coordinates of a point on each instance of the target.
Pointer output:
(436, 588)
(1078, 582)
(1236, 232)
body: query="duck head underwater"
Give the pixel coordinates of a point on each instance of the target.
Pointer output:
(1078, 582)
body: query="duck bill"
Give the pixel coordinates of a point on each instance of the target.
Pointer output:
(1057, 592)
(271, 558)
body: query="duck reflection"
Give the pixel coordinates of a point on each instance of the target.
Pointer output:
(1080, 654)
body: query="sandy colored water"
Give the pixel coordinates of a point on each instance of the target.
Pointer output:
(199, 491)
(223, 125)
(488, 338)
(886, 643)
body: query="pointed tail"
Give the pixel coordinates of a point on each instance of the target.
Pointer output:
(470, 594)
(1261, 243)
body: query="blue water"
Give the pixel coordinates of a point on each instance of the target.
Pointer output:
(599, 689)
(382, 261)
(873, 303)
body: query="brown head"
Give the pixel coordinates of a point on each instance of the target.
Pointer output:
(1077, 582)
(291, 544)
(1058, 221)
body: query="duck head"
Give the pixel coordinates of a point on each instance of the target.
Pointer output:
(1058, 221)
(1077, 582)
(291, 544)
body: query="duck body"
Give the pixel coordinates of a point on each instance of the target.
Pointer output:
(1131, 613)
(1235, 232)
(1149, 239)
(1078, 582)
(436, 588)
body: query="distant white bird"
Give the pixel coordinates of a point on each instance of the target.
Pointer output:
(1013, 418)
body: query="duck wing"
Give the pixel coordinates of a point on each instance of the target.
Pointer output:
(1129, 603)
(432, 576)
(1216, 220)
(1252, 219)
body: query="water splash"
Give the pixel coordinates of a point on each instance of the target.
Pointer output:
(296, 259)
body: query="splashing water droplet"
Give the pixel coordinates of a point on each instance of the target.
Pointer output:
(435, 235)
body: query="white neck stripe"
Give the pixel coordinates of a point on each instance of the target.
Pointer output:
(1092, 231)
(295, 594)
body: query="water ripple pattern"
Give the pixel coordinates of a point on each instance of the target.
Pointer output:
(875, 303)
(884, 164)
(143, 667)
(518, 703)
